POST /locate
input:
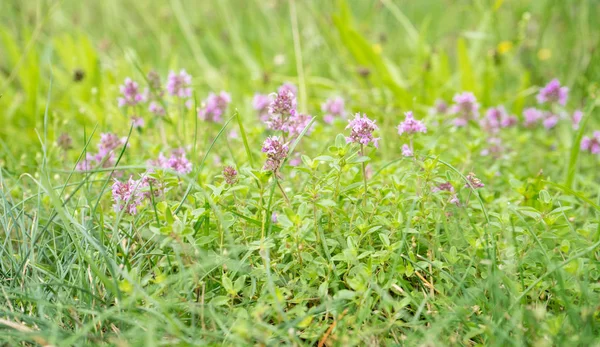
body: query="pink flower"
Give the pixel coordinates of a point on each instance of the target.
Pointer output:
(283, 105)
(156, 108)
(441, 107)
(230, 175)
(261, 104)
(276, 152)
(177, 162)
(333, 108)
(553, 92)
(532, 116)
(178, 84)
(362, 129)
(127, 196)
(496, 118)
(447, 187)
(131, 95)
(550, 121)
(411, 125)
(214, 107)
(474, 181)
(577, 116)
(407, 151)
(138, 122)
(288, 87)
(465, 108)
(591, 144)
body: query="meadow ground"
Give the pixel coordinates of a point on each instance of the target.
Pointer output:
(328, 173)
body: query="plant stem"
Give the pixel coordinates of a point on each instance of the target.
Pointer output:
(283, 192)
(364, 172)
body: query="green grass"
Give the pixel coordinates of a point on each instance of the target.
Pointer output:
(516, 263)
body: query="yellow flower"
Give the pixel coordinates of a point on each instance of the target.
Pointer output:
(504, 47)
(544, 54)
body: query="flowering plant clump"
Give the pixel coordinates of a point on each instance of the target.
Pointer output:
(389, 196)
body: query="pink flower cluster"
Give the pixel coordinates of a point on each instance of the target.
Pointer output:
(177, 162)
(105, 155)
(214, 107)
(131, 94)
(553, 92)
(411, 125)
(465, 108)
(533, 116)
(362, 129)
(276, 152)
(333, 108)
(591, 144)
(230, 175)
(497, 118)
(179, 84)
(130, 194)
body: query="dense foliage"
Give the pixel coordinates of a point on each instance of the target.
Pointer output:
(299, 173)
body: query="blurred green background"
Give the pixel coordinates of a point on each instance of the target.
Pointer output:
(383, 55)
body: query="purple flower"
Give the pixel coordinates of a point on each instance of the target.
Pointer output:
(333, 108)
(591, 144)
(261, 104)
(495, 147)
(296, 124)
(274, 218)
(465, 108)
(127, 195)
(474, 181)
(156, 90)
(109, 142)
(411, 125)
(283, 105)
(288, 87)
(447, 187)
(362, 129)
(178, 84)
(441, 107)
(577, 116)
(407, 151)
(131, 95)
(276, 152)
(177, 162)
(532, 116)
(296, 160)
(156, 108)
(550, 121)
(553, 92)
(230, 175)
(138, 122)
(214, 107)
(496, 118)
